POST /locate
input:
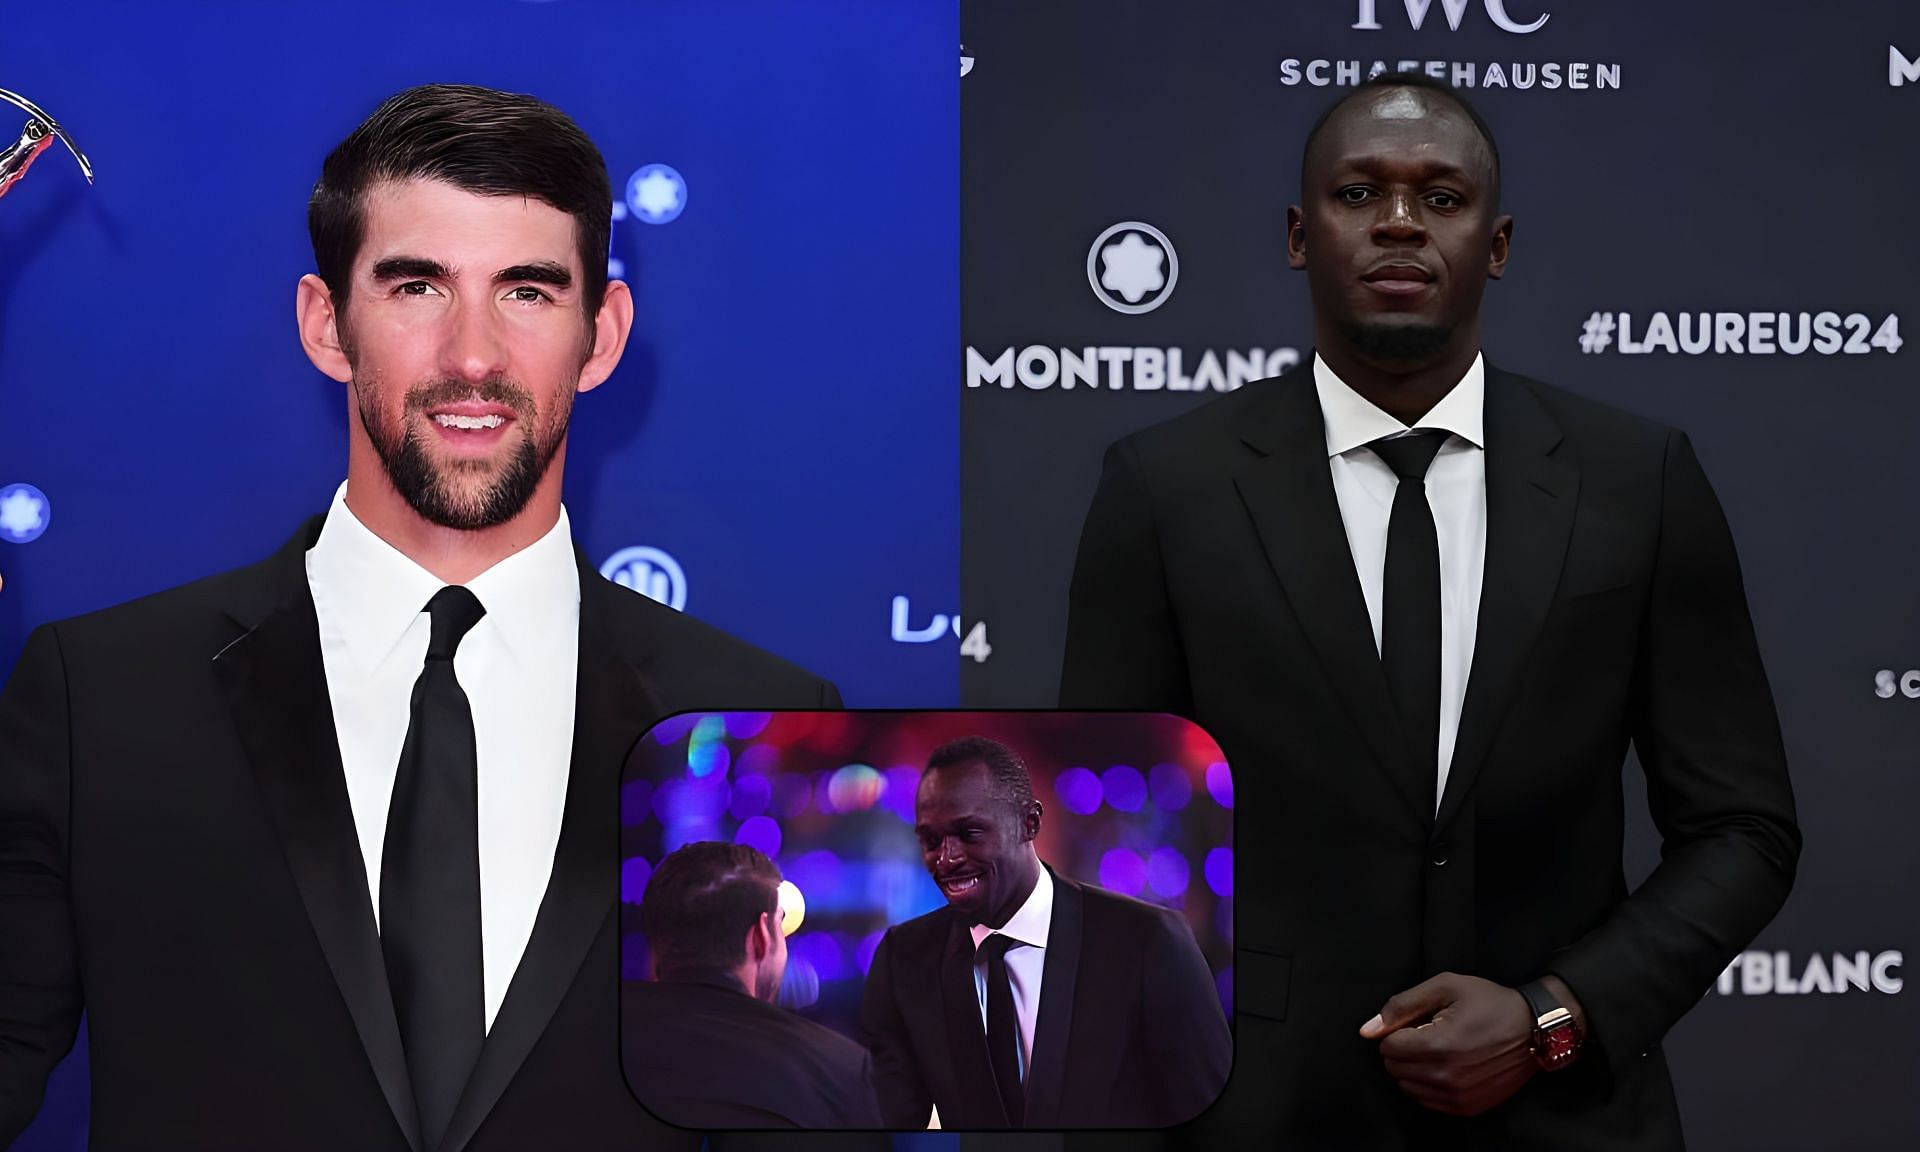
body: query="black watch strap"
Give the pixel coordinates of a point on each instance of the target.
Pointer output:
(1539, 1000)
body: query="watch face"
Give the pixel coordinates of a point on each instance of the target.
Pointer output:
(1557, 1046)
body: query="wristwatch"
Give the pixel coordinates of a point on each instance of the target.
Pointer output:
(1556, 1034)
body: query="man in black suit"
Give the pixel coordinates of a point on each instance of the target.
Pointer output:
(324, 846)
(704, 1044)
(1425, 606)
(1029, 1001)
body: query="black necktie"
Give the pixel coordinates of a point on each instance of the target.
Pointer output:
(1003, 1028)
(1410, 624)
(430, 878)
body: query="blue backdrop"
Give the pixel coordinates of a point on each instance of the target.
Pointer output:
(783, 427)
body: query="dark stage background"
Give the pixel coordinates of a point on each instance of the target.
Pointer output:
(1723, 157)
(781, 429)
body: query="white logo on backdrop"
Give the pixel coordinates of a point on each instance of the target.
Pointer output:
(1132, 267)
(1887, 684)
(1779, 974)
(1455, 10)
(966, 61)
(650, 572)
(1901, 70)
(657, 194)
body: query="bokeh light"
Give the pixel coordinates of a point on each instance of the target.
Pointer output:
(757, 760)
(1122, 871)
(759, 832)
(817, 871)
(1126, 789)
(1219, 871)
(670, 730)
(1168, 872)
(636, 802)
(897, 797)
(1079, 790)
(751, 794)
(747, 725)
(793, 908)
(1170, 787)
(869, 944)
(791, 795)
(634, 874)
(854, 788)
(1220, 783)
(708, 759)
(822, 951)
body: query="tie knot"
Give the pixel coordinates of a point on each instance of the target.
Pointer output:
(996, 946)
(455, 611)
(1410, 455)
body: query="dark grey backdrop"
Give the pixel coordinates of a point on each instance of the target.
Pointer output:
(1753, 157)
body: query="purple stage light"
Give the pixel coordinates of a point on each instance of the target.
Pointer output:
(823, 792)
(1223, 984)
(1079, 789)
(747, 725)
(683, 799)
(761, 833)
(1220, 783)
(1168, 872)
(863, 955)
(816, 873)
(800, 988)
(897, 796)
(1122, 871)
(822, 951)
(636, 802)
(1170, 787)
(751, 795)
(674, 727)
(634, 874)
(1219, 871)
(1126, 789)
(791, 795)
(757, 760)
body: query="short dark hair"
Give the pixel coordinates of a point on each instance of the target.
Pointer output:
(1007, 773)
(483, 141)
(700, 903)
(1418, 80)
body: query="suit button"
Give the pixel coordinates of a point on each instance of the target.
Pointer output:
(1439, 855)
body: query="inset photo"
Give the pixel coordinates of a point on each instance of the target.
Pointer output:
(911, 920)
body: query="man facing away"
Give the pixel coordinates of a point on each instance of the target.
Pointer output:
(325, 842)
(704, 1044)
(1425, 606)
(1030, 1001)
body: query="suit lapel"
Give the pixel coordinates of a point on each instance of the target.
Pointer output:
(1289, 493)
(1046, 1072)
(274, 679)
(614, 706)
(1531, 497)
(967, 1037)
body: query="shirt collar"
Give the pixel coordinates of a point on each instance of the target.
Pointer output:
(1352, 421)
(383, 589)
(1030, 924)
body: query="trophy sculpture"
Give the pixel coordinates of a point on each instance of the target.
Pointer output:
(35, 138)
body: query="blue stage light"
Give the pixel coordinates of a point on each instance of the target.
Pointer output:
(1219, 871)
(1079, 789)
(1170, 787)
(751, 794)
(1122, 871)
(1126, 789)
(759, 832)
(1168, 872)
(634, 874)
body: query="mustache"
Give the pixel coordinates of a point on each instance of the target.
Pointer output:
(493, 390)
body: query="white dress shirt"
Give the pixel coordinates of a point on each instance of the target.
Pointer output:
(1457, 493)
(518, 666)
(1024, 965)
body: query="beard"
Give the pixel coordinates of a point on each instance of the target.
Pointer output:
(1397, 343)
(430, 488)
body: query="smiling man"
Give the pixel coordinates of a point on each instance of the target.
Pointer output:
(1426, 606)
(1030, 1001)
(323, 845)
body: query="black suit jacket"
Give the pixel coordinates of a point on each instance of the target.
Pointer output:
(1129, 1034)
(701, 1053)
(176, 841)
(1214, 580)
